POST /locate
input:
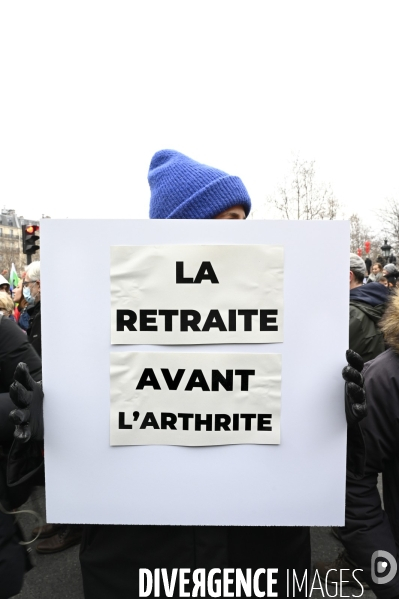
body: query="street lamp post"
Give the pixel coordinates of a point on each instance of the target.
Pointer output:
(386, 249)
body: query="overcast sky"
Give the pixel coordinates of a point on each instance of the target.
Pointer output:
(90, 90)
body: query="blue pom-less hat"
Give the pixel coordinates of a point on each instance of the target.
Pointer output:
(183, 188)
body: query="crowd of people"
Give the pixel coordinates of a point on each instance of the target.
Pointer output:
(21, 303)
(386, 274)
(111, 555)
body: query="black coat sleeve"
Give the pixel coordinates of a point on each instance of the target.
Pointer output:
(368, 528)
(23, 459)
(15, 348)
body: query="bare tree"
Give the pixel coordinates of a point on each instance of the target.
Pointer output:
(359, 234)
(389, 218)
(302, 196)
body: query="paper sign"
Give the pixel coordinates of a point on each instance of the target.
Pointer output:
(196, 294)
(195, 398)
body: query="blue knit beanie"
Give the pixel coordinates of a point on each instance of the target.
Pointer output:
(183, 188)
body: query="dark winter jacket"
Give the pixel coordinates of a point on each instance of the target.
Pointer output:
(369, 528)
(18, 462)
(366, 306)
(23, 320)
(35, 327)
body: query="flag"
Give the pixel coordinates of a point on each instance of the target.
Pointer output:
(13, 280)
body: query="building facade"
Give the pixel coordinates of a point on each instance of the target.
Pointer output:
(11, 241)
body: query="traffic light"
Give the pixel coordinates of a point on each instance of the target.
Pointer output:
(359, 252)
(30, 238)
(367, 245)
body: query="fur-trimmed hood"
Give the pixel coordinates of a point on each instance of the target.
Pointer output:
(389, 323)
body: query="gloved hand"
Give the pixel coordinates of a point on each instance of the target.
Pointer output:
(355, 395)
(27, 395)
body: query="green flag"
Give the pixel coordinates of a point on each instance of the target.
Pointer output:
(13, 280)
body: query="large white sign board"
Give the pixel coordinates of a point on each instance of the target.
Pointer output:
(301, 481)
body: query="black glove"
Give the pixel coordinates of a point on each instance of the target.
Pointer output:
(27, 395)
(355, 395)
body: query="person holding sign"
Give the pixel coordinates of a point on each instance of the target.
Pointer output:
(111, 556)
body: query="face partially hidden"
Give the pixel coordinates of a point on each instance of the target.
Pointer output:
(234, 213)
(17, 292)
(34, 287)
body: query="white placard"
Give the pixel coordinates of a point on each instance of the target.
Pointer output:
(301, 481)
(196, 294)
(194, 398)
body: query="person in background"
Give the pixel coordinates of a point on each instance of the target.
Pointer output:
(391, 274)
(32, 296)
(6, 305)
(380, 260)
(4, 284)
(366, 306)
(54, 537)
(369, 527)
(376, 273)
(383, 281)
(368, 264)
(388, 269)
(20, 311)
